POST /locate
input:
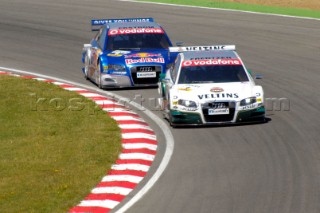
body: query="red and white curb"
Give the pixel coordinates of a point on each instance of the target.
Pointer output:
(139, 145)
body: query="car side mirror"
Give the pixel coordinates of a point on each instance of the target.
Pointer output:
(258, 76)
(179, 44)
(87, 46)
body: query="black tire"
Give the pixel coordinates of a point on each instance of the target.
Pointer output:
(98, 81)
(86, 68)
(169, 114)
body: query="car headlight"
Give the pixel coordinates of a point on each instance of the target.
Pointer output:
(187, 103)
(248, 101)
(116, 67)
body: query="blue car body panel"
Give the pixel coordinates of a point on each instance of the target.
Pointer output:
(127, 53)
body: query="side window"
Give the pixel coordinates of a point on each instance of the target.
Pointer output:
(174, 71)
(101, 39)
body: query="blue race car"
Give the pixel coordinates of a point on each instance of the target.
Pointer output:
(126, 53)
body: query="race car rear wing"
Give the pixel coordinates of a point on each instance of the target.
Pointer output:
(97, 23)
(202, 48)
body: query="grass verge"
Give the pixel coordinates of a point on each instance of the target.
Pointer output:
(51, 156)
(246, 7)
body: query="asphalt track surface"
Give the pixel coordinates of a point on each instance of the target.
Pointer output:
(272, 167)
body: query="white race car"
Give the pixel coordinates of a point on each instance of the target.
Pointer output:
(210, 85)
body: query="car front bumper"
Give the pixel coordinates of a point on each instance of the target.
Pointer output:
(197, 118)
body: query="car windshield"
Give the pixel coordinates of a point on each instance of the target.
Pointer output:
(137, 42)
(212, 74)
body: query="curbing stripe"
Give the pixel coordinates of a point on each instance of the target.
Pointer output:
(139, 150)
(139, 146)
(132, 122)
(139, 161)
(139, 140)
(142, 150)
(138, 167)
(126, 118)
(134, 126)
(110, 204)
(135, 156)
(128, 113)
(137, 130)
(89, 209)
(111, 190)
(129, 178)
(138, 135)
(125, 184)
(109, 196)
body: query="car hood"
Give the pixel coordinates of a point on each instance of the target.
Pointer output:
(212, 92)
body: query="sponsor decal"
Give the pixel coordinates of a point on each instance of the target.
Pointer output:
(118, 73)
(114, 55)
(219, 111)
(219, 95)
(118, 53)
(251, 106)
(216, 89)
(211, 57)
(145, 60)
(135, 31)
(105, 21)
(187, 89)
(203, 48)
(188, 109)
(143, 55)
(211, 62)
(146, 74)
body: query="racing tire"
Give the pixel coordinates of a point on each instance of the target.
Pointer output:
(169, 116)
(86, 68)
(170, 121)
(98, 79)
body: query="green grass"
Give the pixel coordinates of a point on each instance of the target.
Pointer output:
(246, 7)
(50, 157)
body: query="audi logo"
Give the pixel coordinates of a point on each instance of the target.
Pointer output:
(145, 69)
(217, 105)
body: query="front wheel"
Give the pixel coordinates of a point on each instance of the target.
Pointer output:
(86, 67)
(98, 78)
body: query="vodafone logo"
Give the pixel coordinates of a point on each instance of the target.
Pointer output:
(211, 62)
(135, 31)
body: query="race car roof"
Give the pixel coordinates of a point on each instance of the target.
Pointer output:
(133, 25)
(214, 54)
